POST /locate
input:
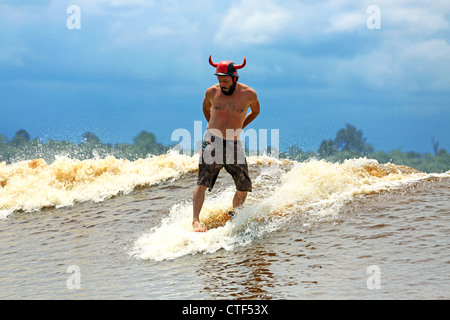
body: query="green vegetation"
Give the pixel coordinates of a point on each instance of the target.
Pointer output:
(349, 143)
(22, 147)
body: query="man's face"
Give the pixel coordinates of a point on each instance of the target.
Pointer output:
(226, 84)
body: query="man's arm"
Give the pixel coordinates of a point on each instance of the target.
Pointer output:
(254, 111)
(207, 107)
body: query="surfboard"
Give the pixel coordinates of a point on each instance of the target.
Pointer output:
(215, 218)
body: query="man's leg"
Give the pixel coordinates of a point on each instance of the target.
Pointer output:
(198, 199)
(239, 198)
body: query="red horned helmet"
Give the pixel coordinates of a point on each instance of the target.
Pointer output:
(227, 68)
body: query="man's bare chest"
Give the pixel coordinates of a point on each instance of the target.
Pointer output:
(230, 105)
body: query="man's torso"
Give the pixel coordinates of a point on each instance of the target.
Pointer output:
(228, 112)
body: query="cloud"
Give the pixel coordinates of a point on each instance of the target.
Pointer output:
(402, 68)
(323, 43)
(425, 65)
(130, 3)
(252, 22)
(116, 7)
(331, 46)
(415, 21)
(345, 22)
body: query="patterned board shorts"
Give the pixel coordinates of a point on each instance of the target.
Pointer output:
(218, 153)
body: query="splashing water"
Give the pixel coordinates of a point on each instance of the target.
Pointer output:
(315, 191)
(33, 185)
(304, 193)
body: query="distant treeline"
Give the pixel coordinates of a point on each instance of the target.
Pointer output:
(22, 147)
(349, 143)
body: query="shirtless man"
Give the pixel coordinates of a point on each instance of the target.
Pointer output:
(225, 108)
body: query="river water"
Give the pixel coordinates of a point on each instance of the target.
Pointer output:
(115, 229)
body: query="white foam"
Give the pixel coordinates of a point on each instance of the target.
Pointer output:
(33, 185)
(317, 190)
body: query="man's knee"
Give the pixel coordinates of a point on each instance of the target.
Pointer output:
(242, 194)
(200, 189)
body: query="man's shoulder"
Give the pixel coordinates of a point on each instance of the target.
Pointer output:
(247, 89)
(212, 89)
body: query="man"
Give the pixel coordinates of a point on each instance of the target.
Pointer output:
(225, 108)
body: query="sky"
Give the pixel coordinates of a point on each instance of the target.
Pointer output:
(118, 67)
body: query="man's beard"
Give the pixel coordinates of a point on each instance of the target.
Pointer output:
(230, 90)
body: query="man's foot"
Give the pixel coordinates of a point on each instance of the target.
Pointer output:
(198, 227)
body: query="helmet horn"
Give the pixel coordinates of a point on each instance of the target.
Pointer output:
(212, 63)
(240, 66)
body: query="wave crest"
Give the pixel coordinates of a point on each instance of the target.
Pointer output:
(33, 185)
